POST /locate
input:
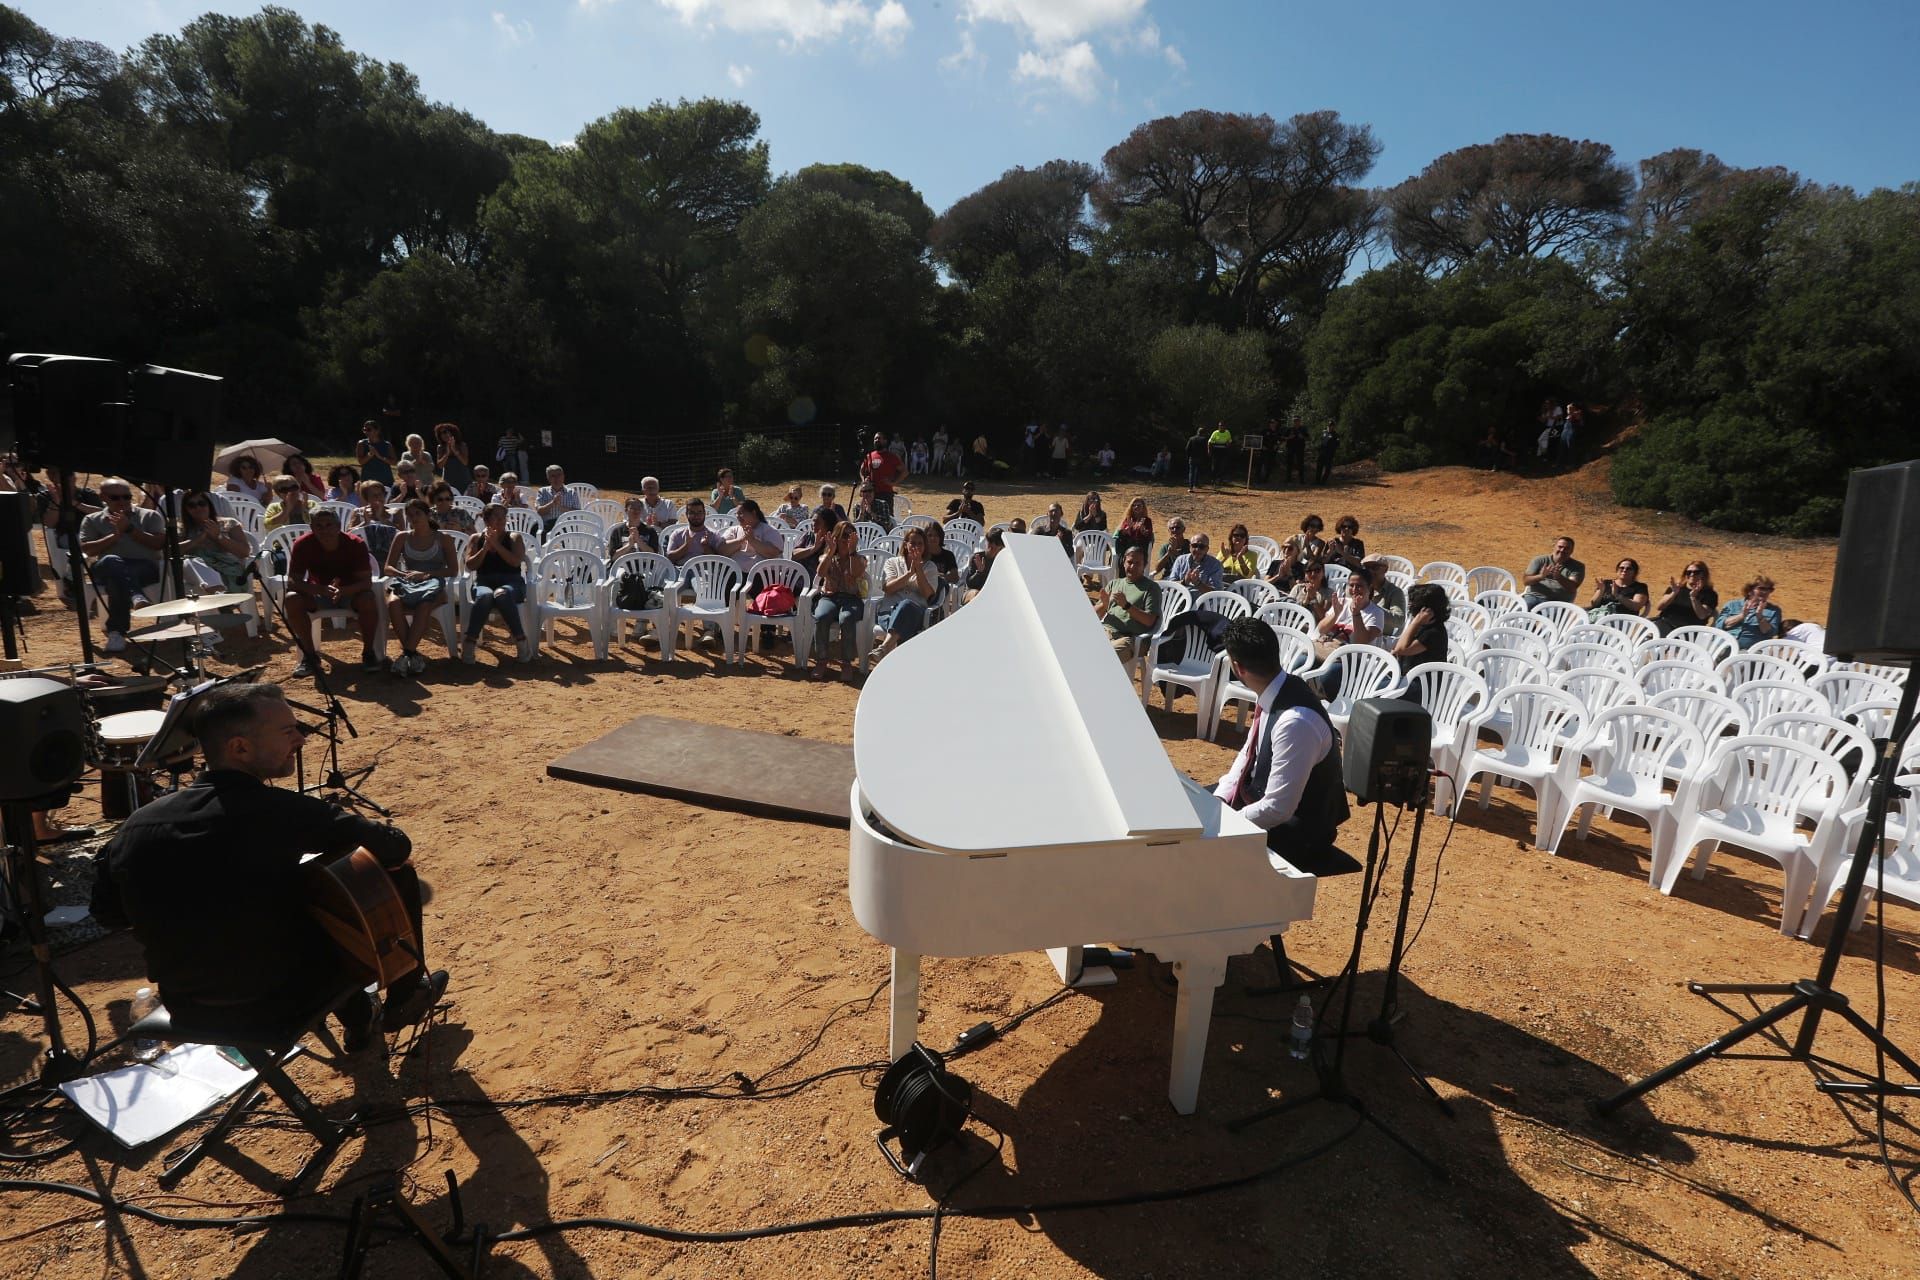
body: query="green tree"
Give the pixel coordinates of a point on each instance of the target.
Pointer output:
(1204, 375)
(1037, 217)
(1522, 195)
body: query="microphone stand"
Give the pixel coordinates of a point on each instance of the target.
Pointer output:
(23, 871)
(333, 713)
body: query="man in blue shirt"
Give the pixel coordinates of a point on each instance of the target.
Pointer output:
(1197, 570)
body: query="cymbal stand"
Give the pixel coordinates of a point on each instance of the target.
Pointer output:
(335, 779)
(1332, 1085)
(23, 873)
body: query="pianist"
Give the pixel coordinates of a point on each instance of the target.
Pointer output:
(1286, 779)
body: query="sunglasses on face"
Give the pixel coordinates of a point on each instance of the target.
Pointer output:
(117, 497)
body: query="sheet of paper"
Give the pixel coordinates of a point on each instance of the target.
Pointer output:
(139, 1103)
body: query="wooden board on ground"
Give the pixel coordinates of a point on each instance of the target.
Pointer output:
(771, 774)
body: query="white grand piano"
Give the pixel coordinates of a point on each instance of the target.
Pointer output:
(1079, 831)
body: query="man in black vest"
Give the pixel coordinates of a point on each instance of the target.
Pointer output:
(1286, 779)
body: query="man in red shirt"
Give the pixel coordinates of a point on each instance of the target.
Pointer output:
(882, 466)
(328, 569)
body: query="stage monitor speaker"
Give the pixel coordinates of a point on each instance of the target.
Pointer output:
(19, 571)
(1387, 750)
(46, 726)
(65, 414)
(1874, 615)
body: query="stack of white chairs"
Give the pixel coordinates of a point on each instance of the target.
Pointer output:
(658, 573)
(748, 621)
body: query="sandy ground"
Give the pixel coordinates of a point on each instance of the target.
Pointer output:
(601, 941)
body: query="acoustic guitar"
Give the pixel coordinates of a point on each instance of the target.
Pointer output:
(355, 902)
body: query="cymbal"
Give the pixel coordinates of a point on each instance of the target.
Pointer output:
(178, 631)
(186, 605)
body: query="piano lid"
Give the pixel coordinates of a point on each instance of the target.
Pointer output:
(1011, 725)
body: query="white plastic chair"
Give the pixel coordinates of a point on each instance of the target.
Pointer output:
(1637, 629)
(1593, 633)
(1658, 677)
(1763, 698)
(1571, 656)
(1194, 670)
(1296, 655)
(1751, 793)
(1365, 672)
(1227, 603)
(1541, 625)
(1442, 571)
(1843, 689)
(870, 536)
(747, 622)
(525, 522)
(1718, 644)
(581, 522)
(1472, 614)
(1453, 695)
(1398, 564)
(1713, 715)
(1670, 650)
(657, 572)
(1831, 736)
(1564, 617)
(472, 506)
(1897, 874)
(1500, 600)
(1093, 555)
(712, 580)
(1629, 748)
(569, 587)
(344, 617)
(1598, 688)
(1743, 667)
(1287, 615)
(585, 492)
(1874, 716)
(1403, 580)
(1257, 593)
(967, 527)
(1462, 639)
(57, 558)
(1518, 639)
(1486, 577)
(610, 512)
(1337, 576)
(281, 540)
(1792, 651)
(1534, 723)
(574, 539)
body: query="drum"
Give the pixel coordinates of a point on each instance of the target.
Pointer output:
(123, 736)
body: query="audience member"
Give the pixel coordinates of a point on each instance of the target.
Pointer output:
(244, 478)
(1329, 449)
(408, 483)
(696, 539)
(1424, 638)
(1239, 560)
(880, 469)
(1295, 444)
(421, 459)
(868, 509)
(919, 457)
(793, 510)
(1103, 460)
(1162, 465)
(375, 455)
(1196, 457)
(842, 578)
(1753, 617)
(1554, 576)
(215, 540)
(555, 499)
(483, 486)
(981, 562)
(1054, 525)
(1092, 515)
(418, 566)
(1133, 604)
(445, 514)
(828, 494)
(816, 540)
(1060, 451)
(1346, 547)
(724, 497)
(302, 472)
(495, 555)
(982, 460)
(1296, 553)
(942, 456)
(1386, 593)
(1219, 452)
(942, 559)
(343, 485)
(1688, 602)
(510, 452)
(330, 569)
(1311, 592)
(1356, 620)
(660, 512)
(1136, 530)
(1197, 570)
(752, 539)
(1176, 546)
(636, 534)
(452, 457)
(289, 505)
(909, 584)
(511, 495)
(1017, 525)
(124, 544)
(1622, 593)
(372, 521)
(966, 506)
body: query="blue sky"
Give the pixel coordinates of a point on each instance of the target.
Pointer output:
(949, 93)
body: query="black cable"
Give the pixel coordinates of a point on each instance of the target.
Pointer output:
(1433, 893)
(1880, 988)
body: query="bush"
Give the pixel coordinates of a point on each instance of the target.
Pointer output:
(767, 458)
(1402, 454)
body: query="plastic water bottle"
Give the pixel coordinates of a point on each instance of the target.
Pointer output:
(1300, 1035)
(144, 1003)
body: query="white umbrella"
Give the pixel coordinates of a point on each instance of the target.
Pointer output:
(271, 454)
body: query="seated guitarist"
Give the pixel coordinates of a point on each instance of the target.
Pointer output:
(210, 880)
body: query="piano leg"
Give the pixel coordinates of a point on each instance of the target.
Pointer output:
(1192, 1012)
(904, 1025)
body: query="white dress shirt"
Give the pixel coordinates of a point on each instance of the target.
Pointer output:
(1299, 740)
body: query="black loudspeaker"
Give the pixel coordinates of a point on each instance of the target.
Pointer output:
(45, 728)
(176, 421)
(19, 571)
(1387, 746)
(1874, 615)
(60, 413)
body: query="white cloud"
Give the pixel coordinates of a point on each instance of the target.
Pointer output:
(1051, 23)
(511, 32)
(739, 74)
(800, 21)
(1175, 58)
(1074, 69)
(967, 55)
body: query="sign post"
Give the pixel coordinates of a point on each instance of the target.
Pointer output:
(1254, 444)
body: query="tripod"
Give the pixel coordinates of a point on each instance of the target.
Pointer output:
(23, 872)
(335, 779)
(1816, 995)
(1332, 1085)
